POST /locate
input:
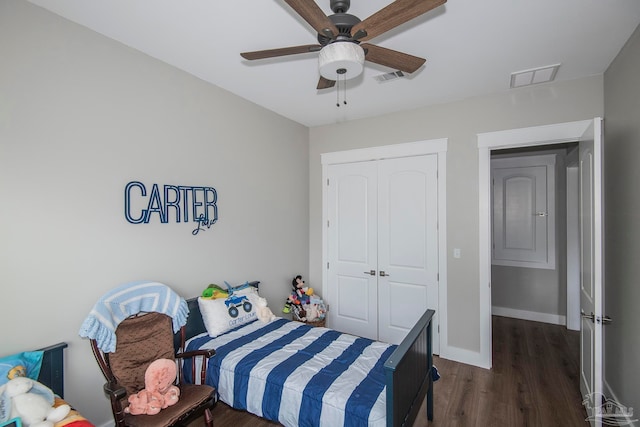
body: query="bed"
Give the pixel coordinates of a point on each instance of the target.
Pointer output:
(298, 375)
(52, 375)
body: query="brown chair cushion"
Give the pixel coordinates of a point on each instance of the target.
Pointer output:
(190, 397)
(139, 341)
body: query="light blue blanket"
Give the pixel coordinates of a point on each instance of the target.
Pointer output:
(129, 299)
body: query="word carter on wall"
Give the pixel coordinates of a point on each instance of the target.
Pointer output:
(171, 203)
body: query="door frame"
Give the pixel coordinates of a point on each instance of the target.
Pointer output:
(513, 138)
(409, 149)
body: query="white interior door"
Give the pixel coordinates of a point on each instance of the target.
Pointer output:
(573, 248)
(524, 211)
(591, 251)
(407, 245)
(353, 248)
(383, 246)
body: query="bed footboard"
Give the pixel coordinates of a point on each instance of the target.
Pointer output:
(408, 375)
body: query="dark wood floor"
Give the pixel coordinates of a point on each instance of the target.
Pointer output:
(533, 382)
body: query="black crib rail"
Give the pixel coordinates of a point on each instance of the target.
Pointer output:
(52, 370)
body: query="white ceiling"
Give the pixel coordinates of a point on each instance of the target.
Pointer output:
(471, 47)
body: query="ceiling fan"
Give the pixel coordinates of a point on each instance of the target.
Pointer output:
(340, 38)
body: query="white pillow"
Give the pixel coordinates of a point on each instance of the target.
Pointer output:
(221, 315)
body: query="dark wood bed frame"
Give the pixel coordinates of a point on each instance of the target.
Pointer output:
(408, 370)
(52, 370)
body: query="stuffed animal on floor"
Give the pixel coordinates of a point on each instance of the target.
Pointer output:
(159, 392)
(264, 313)
(300, 288)
(312, 312)
(299, 313)
(32, 402)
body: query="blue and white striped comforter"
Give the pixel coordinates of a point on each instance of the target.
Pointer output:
(298, 375)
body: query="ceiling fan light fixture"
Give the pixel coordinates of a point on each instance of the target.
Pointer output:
(344, 59)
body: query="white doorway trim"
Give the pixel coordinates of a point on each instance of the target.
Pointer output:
(513, 138)
(433, 146)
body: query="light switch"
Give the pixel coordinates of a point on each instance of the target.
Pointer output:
(456, 252)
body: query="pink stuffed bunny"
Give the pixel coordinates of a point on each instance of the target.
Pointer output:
(159, 392)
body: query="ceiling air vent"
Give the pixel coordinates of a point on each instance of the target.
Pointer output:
(389, 76)
(534, 76)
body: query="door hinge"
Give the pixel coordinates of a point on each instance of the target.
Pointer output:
(327, 223)
(437, 277)
(327, 266)
(438, 328)
(327, 182)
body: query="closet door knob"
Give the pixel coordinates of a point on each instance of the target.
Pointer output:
(383, 274)
(371, 272)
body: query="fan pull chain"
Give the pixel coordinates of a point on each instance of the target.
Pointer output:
(344, 86)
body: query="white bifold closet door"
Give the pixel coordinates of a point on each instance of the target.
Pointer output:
(383, 246)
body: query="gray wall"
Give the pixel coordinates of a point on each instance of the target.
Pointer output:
(82, 115)
(460, 122)
(622, 223)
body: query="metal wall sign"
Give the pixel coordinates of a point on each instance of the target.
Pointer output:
(171, 203)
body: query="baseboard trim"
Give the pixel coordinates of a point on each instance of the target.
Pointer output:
(554, 319)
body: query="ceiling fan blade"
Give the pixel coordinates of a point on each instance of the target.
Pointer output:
(272, 53)
(397, 13)
(325, 83)
(311, 12)
(392, 58)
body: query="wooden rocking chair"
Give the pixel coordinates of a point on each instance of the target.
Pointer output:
(141, 339)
